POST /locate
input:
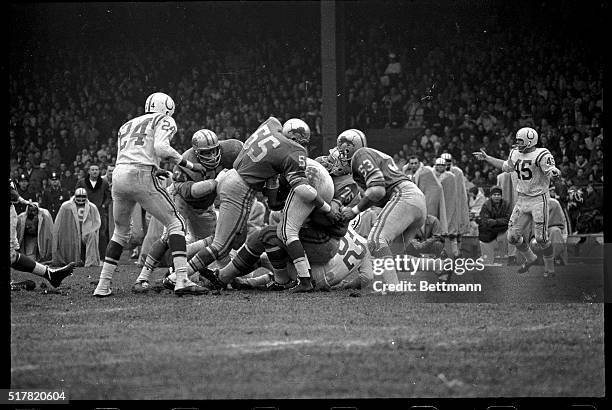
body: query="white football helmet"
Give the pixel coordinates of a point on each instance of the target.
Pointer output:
(526, 138)
(348, 142)
(80, 196)
(160, 102)
(337, 167)
(297, 130)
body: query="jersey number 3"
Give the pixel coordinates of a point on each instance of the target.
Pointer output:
(523, 169)
(263, 136)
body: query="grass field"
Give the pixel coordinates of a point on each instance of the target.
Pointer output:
(253, 344)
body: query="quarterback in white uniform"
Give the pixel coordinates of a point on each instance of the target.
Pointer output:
(534, 168)
(143, 142)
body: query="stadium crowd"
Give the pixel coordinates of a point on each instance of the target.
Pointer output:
(466, 89)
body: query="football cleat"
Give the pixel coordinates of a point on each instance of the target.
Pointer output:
(525, 266)
(303, 285)
(190, 288)
(142, 286)
(102, 292)
(56, 276)
(168, 283)
(24, 284)
(240, 284)
(275, 286)
(213, 278)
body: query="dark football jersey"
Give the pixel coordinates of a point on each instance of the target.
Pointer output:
(345, 190)
(374, 168)
(184, 178)
(268, 153)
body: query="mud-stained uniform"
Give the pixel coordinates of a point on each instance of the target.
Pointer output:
(403, 206)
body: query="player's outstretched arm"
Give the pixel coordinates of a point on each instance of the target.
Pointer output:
(496, 162)
(372, 195)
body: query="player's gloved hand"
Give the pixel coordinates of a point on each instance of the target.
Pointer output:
(348, 213)
(221, 176)
(33, 204)
(162, 173)
(480, 155)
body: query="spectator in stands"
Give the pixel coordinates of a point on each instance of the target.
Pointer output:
(68, 181)
(98, 193)
(493, 224)
(54, 195)
(590, 219)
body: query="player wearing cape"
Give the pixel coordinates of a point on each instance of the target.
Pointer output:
(534, 167)
(20, 261)
(43, 244)
(461, 201)
(431, 187)
(77, 226)
(449, 186)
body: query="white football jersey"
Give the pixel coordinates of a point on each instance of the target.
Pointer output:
(531, 170)
(145, 140)
(352, 258)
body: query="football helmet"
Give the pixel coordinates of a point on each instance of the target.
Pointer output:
(526, 138)
(80, 196)
(160, 102)
(337, 167)
(297, 130)
(348, 142)
(206, 147)
(448, 158)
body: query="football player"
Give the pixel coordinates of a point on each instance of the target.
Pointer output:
(143, 142)
(248, 254)
(272, 150)
(194, 194)
(461, 203)
(23, 263)
(335, 253)
(534, 167)
(449, 187)
(403, 203)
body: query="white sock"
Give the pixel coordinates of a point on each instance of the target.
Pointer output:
(40, 269)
